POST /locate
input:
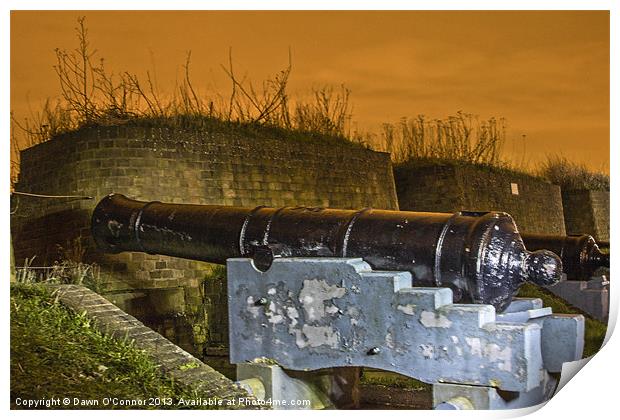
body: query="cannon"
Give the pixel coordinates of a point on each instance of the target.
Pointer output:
(479, 256)
(580, 254)
(315, 291)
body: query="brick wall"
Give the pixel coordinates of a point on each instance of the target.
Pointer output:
(537, 208)
(219, 166)
(587, 211)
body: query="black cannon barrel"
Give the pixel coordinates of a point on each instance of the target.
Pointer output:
(480, 256)
(580, 254)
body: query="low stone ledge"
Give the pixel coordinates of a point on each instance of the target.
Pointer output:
(186, 370)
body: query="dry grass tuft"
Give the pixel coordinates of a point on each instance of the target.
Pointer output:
(461, 137)
(573, 176)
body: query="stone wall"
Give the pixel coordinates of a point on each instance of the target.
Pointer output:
(535, 205)
(222, 165)
(587, 211)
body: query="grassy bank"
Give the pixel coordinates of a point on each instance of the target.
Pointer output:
(57, 354)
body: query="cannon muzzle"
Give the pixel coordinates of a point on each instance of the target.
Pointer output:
(480, 256)
(580, 254)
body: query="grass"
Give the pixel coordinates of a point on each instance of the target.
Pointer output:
(573, 176)
(495, 168)
(56, 353)
(594, 331)
(460, 137)
(66, 271)
(215, 126)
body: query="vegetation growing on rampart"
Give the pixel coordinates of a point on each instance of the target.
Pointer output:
(92, 95)
(56, 353)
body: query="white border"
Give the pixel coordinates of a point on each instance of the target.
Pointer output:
(590, 394)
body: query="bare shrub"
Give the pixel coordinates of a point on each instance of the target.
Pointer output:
(91, 95)
(268, 104)
(76, 75)
(461, 137)
(329, 113)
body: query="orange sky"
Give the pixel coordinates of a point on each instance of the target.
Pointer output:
(547, 73)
